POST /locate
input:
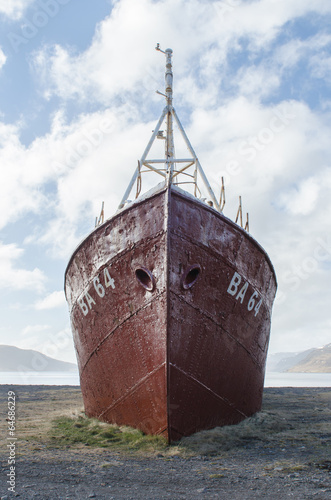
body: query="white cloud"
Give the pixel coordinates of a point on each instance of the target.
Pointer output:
(302, 199)
(22, 174)
(32, 329)
(52, 301)
(280, 151)
(3, 58)
(289, 54)
(321, 66)
(14, 278)
(214, 29)
(257, 81)
(14, 9)
(60, 154)
(264, 78)
(71, 155)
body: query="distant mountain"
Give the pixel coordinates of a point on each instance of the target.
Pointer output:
(310, 361)
(283, 361)
(13, 359)
(316, 361)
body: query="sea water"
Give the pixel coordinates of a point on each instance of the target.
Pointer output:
(276, 379)
(39, 378)
(272, 379)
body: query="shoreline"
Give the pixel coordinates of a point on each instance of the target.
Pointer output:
(272, 379)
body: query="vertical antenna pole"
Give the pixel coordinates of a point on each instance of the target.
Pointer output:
(169, 146)
(170, 132)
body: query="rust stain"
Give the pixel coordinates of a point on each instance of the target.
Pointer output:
(170, 305)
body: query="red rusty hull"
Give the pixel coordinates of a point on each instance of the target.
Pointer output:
(170, 306)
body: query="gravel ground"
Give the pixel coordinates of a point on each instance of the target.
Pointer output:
(288, 456)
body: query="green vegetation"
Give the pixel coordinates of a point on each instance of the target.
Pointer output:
(291, 422)
(68, 431)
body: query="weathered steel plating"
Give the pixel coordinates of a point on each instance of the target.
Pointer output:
(182, 355)
(170, 305)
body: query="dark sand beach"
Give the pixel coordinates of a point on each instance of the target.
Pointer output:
(282, 452)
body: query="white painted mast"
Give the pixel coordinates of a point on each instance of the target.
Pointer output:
(170, 148)
(173, 167)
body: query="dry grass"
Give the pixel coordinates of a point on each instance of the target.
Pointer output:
(35, 410)
(292, 419)
(296, 420)
(263, 427)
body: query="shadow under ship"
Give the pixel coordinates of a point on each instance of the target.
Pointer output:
(170, 304)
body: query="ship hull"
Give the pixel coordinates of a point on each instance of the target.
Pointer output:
(170, 306)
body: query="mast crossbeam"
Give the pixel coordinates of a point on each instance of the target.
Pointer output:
(169, 172)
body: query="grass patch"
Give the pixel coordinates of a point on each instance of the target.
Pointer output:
(71, 431)
(258, 430)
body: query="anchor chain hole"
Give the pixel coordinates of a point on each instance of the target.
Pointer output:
(190, 276)
(145, 278)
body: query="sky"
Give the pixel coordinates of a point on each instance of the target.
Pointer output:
(78, 104)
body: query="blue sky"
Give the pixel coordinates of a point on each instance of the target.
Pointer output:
(77, 107)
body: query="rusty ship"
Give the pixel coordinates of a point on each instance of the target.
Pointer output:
(170, 302)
